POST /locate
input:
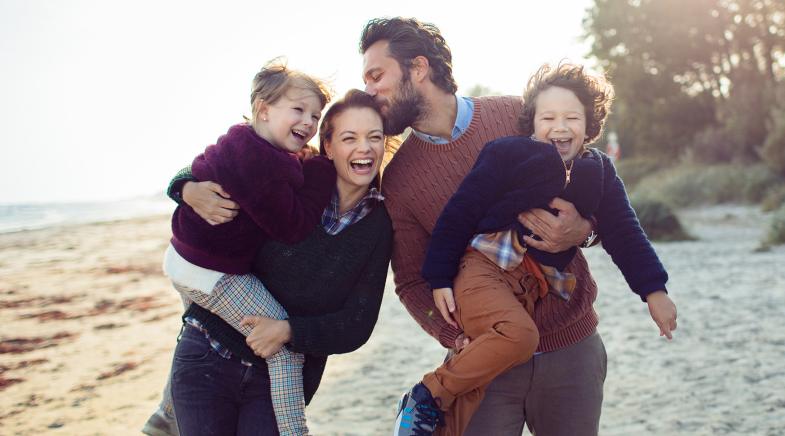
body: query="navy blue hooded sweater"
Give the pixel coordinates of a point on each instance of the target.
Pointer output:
(515, 174)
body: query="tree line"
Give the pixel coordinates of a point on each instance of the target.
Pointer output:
(702, 80)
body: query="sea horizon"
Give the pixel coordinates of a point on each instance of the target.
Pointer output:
(15, 217)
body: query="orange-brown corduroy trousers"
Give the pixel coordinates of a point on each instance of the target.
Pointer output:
(494, 308)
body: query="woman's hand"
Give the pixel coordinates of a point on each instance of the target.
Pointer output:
(663, 312)
(558, 232)
(268, 335)
(210, 202)
(445, 302)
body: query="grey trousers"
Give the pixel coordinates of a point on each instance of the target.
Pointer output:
(554, 394)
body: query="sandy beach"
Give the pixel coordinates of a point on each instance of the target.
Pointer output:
(90, 324)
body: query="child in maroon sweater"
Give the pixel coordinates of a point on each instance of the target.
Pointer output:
(280, 198)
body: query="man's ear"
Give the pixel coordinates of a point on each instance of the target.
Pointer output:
(420, 69)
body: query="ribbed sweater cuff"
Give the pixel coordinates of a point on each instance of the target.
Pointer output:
(299, 333)
(448, 335)
(644, 291)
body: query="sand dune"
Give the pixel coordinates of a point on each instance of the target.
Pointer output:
(90, 325)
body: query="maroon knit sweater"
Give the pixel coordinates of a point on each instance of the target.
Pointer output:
(417, 184)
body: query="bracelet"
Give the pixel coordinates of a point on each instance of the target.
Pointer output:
(592, 238)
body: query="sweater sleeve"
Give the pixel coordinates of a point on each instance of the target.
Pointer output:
(459, 219)
(285, 200)
(624, 239)
(350, 327)
(175, 188)
(509, 176)
(410, 240)
(287, 213)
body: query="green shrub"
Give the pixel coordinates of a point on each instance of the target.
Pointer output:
(695, 185)
(775, 197)
(773, 149)
(776, 234)
(658, 220)
(633, 170)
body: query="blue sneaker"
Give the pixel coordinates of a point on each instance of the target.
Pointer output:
(418, 413)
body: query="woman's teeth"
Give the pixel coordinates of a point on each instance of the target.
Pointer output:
(361, 163)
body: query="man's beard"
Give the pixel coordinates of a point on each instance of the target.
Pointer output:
(404, 110)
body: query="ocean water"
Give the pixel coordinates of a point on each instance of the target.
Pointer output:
(16, 217)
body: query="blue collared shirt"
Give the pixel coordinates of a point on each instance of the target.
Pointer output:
(463, 117)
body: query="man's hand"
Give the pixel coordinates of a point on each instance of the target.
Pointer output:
(558, 232)
(445, 302)
(663, 312)
(268, 335)
(210, 201)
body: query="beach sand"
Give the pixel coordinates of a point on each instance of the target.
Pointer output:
(90, 324)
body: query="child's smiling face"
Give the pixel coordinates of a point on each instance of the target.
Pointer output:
(560, 119)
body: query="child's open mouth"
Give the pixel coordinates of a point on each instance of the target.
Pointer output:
(562, 145)
(299, 134)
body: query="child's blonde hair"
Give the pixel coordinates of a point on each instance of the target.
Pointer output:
(275, 79)
(593, 91)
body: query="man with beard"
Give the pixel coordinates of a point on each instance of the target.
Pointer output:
(408, 69)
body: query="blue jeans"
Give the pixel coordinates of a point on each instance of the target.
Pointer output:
(218, 396)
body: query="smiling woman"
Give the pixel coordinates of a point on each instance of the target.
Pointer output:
(320, 296)
(351, 136)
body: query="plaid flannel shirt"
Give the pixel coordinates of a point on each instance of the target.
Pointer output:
(334, 221)
(506, 250)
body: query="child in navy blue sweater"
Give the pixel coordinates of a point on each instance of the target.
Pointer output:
(478, 249)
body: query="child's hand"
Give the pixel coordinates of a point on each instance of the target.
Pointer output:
(307, 152)
(663, 312)
(445, 302)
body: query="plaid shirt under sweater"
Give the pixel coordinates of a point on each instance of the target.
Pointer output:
(506, 250)
(333, 222)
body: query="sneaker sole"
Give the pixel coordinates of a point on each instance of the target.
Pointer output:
(399, 416)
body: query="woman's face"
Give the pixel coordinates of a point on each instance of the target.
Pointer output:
(356, 146)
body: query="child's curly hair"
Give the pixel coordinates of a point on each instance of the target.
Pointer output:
(593, 91)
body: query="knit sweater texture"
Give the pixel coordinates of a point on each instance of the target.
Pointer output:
(331, 286)
(418, 183)
(516, 173)
(279, 199)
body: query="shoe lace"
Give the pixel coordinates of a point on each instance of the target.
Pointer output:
(426, 419)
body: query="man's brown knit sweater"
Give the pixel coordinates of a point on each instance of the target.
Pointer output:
(417, 184)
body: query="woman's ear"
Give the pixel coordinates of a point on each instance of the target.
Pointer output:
(328, 149)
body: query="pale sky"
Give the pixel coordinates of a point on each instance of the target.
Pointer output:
(107, 99)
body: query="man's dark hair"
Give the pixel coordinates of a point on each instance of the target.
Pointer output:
(409, 38)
